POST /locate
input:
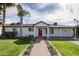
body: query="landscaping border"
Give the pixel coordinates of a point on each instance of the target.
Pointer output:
(27, 50)
(59, 54)
(53, 51)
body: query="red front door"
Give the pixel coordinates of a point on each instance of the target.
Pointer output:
(40, 32)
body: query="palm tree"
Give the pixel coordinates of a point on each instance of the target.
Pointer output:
(3, 7)
(21, 13)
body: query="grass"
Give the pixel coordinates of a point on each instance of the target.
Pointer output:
(66, 48)
(12, 47)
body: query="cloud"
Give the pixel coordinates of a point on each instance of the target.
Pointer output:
(44, 7)
(8, 21)
(11, 14)
(56, 12)
(37, 13)
(41, 5)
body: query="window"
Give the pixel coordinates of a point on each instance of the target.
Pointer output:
(65, 30)
(46, 30)
(30, 29)
(51, 30)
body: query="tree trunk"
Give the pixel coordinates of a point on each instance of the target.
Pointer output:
(21, 23)
(4, 13)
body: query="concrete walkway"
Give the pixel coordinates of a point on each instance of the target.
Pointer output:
(40, 48)
(75, 42)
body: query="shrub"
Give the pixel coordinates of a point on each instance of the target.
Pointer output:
(30, 36)
(9, 34)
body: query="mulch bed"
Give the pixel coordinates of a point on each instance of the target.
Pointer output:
(51, 49)
(28, 51)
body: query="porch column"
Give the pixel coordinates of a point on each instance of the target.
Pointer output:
(34, 31)
(47, 32)
(75, 32)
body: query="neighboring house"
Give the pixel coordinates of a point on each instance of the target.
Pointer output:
(43, 29)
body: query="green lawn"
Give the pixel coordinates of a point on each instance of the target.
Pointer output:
(12, 47)
(66, 48)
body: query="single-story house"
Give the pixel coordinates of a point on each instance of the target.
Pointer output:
(43, 29)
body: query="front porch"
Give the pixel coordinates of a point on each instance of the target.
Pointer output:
(40, 31)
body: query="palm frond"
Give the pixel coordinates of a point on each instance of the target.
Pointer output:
(19, 7)
(22, 12)
(10, 4)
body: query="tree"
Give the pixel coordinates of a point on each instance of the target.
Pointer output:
(21, 13)
(3, 7)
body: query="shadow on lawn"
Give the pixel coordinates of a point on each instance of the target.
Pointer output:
(23, 41)
(18, 40)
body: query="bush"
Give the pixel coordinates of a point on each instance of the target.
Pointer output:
(30, 36)
(9, 34)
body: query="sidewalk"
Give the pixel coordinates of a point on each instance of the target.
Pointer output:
(40, 48)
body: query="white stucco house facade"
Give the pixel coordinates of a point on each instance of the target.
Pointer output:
(43, 29)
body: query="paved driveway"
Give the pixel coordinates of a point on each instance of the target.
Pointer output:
(40, 48)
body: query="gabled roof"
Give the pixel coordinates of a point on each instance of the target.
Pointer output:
(41, 22)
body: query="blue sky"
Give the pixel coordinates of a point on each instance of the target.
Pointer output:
(48, 12)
